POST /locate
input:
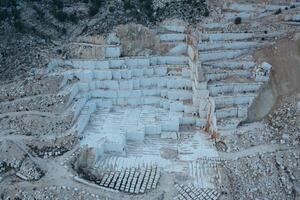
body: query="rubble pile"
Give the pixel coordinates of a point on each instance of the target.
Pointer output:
(284, 122)
(48, 152)
(271, 175)
(12, 157)
(56, 192)
(29, 171)
(53, 148)
(4, 167)
(248, 136)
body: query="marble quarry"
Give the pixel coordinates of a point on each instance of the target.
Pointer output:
(139, 117)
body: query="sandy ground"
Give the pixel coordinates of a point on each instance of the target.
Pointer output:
(285, 59)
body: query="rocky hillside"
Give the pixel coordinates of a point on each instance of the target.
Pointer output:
(31, 30)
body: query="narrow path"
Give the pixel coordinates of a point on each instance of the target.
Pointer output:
(266, 148)
(37, 113)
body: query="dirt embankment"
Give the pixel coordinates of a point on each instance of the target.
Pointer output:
(285, 75)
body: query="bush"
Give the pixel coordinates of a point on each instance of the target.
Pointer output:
(127, 4)
(19, 26)
(94, 8)
(93, 11)
(16, 13)
(8, 3)
(238, 20)
(64, 30)
(58, 4)
(38, 11)
(4, 14)
(73, 18)
(206, 13)
(278, 11)
(111, 9)
(60, 15)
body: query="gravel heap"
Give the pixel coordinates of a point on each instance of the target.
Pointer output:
(265, 176)
(284, 122)
(56, 192)
(29, 171)
(248, 136)
(13, 158)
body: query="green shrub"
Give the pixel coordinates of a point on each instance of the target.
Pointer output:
(38, 11)
(4, 14)
(206, 13)
(277, 11)
(238, 20)
(8, 3)
(60, 15)
(93, 11)
(73, 18)
(127, 5)
(111, 9)
(58, 4)
(16, 13)
(19, 26)
(94, 8)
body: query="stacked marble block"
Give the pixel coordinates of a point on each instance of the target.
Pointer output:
(131, 180)
(189, 192)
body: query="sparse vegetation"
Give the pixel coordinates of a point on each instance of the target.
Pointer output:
(238, 20)
(278, 11)
(20, 26)
(111, 9)
(3, 14)
(94, 7)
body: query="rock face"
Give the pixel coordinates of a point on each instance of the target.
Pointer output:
(137, 40)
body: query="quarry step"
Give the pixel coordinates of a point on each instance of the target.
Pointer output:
(246, 16)
(221, 55)
(229, 64)
(235, 36)
(147, 85)
(229, 112)
(175, 48)
(217, 74)
(171, 29)
(218, 88)
(292, 18)
(246, 7)
(172, 37)
(166, 99)
(235, 45)
(215, 26)
(126, 78)
(120, 63)
(224, 101)
(146, 72)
